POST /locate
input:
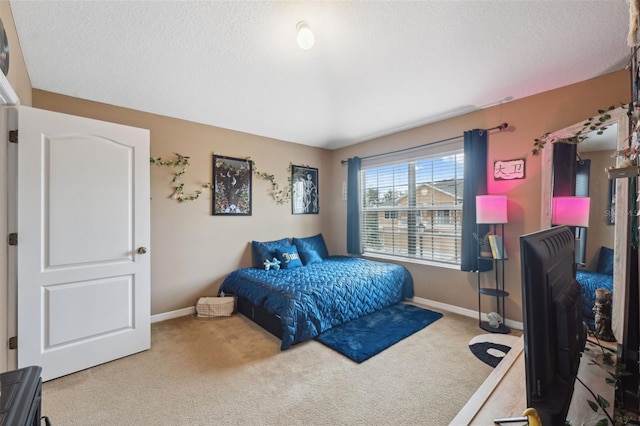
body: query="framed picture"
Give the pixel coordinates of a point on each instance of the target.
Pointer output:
(231, 186)
(304, 190)
(509, 169)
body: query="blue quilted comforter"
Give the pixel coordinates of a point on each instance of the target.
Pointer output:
(313, 298)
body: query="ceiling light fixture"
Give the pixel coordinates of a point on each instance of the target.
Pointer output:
(305, 36)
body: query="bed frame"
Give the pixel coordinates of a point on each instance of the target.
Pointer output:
(259, 315)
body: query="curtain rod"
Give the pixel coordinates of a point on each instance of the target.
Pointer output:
(501, 127)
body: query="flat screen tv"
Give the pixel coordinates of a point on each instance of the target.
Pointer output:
(554, 332)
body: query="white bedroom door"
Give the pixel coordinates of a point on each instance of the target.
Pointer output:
(83, 237)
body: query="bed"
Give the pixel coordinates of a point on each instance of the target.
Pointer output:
(312, 291)
(589, 281)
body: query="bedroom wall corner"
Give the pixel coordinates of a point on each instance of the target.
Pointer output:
(191, 250)
(528, 119)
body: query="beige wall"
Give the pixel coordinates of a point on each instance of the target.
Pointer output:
(18, 75)
(191, 250)
(528, 119)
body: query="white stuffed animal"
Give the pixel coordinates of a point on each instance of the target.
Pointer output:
(494, 319)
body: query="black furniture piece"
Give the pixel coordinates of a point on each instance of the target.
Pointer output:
(21, 397)
(497, 291)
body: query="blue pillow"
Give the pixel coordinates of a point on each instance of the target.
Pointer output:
(288, 257)
(310, 256)
(263, 250)
(312, 249)
(605, 261)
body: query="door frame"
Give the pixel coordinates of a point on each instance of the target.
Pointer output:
(8, 301)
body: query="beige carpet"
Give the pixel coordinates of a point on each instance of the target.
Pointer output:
(230, 371)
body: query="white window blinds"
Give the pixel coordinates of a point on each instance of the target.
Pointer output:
(412, 203)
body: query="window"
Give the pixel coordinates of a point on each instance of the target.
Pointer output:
(390, 214)
(412, 206)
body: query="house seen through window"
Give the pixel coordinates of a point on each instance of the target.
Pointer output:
(412, 207)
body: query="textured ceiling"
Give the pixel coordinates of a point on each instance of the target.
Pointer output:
(376, 67)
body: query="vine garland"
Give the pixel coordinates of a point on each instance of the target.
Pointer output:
(182, 162)
(281, 196)
(592, 124)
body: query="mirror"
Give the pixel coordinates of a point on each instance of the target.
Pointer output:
(595, 154)
(616, 136)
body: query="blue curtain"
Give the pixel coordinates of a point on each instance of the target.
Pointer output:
(475, 183)
(354, 243)
(565, 169)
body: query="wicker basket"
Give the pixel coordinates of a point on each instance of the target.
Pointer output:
(208, 307)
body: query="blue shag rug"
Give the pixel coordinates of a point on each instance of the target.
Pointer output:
(364, 337)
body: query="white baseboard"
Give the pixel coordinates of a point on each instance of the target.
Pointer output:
(173, 314)
(462, 311)
(419, 300)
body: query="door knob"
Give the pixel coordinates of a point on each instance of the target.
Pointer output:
(142, 250)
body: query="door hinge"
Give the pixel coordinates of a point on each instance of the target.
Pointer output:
(13, 136)
(13, 239)
(13, 342)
